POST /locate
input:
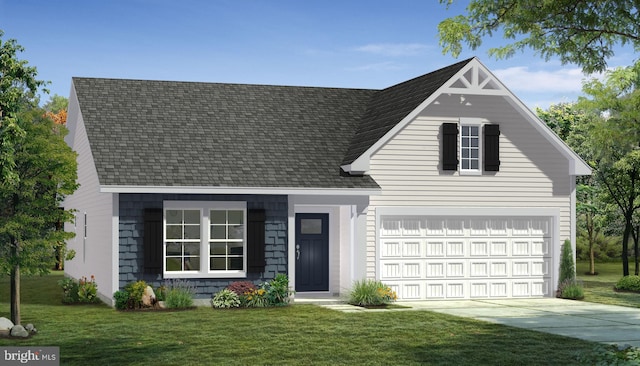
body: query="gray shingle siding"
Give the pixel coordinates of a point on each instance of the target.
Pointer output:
(131, 231)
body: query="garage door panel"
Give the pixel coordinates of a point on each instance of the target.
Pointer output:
(435, 248)
(466, 257)
(479, 269)
(540, 247)
(479, 248)
(498, 248)
(412, 270)
(455, 248)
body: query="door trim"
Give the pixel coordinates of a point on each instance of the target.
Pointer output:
(334, 241)
(325, 235)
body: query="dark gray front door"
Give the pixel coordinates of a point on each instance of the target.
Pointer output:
(312, 252)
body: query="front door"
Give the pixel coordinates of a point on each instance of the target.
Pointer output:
(312, 252)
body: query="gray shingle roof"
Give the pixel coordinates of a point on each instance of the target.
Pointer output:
(389, 106)
(165, 133)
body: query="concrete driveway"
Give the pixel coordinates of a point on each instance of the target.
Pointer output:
(578, 319)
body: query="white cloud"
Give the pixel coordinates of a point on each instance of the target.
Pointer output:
(520, 79)
(393, 49)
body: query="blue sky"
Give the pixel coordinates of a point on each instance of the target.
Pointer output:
(354, 44)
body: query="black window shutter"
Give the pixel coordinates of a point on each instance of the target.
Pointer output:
(255, 241)
(449, 146)
(492, 148)
(152, 241)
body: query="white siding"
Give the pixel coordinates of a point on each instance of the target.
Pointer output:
(532, 172)
(94, 255)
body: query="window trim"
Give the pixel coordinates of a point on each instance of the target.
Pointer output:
(205, 208)
(471, 122)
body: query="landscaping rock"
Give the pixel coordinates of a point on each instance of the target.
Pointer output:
(148, 297)
(19, 331)
(29, 327)
(6, 324)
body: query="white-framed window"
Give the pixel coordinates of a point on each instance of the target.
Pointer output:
(470, 147)
(204, 239)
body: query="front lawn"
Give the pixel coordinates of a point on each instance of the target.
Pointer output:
(298, 334)
(599, 288)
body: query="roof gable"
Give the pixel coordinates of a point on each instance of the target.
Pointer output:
(467, 77)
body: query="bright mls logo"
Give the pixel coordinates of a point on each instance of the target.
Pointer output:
(45, 356)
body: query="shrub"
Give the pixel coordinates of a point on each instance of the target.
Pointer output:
(278, 290)
(225, 299)
(567, 265)
(69, 290)
(88, 290)
(611, 355)
(371, 293)
(571, 290)
(179, 295)
(257, 298)
(122, 299)
(161, 293)
(136, 290)
(241, 287)
(629, 283)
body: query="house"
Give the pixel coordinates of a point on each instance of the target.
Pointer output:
(445, 186)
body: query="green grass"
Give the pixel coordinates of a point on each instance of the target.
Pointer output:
(297, 334)
(599, 288)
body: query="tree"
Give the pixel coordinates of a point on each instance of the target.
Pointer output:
(18, 87)
(56, 104)
(615, 142)
(56, 109)
(583, 32)
(38, 169)
(46, 170)
(573, 126)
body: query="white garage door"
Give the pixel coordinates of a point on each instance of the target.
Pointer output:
(436, 258)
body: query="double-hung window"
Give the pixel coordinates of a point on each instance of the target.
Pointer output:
(470, 148)
(205, 239)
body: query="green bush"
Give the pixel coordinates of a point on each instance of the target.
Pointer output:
(225, 299)
(122, 299)
(161, 293)
(611, 355)
(179, 295)
(136, 290)
(257, 298)
(572, 290)
(629, 283)
(88, 290)
(371, 293)
(84, 291)
(69, 290)
(567, 265)
(278, 290)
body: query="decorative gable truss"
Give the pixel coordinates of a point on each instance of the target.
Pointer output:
(475, 79)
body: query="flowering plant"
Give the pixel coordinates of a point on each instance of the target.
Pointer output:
(256, 297)
(88, 289)
(371, 293)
